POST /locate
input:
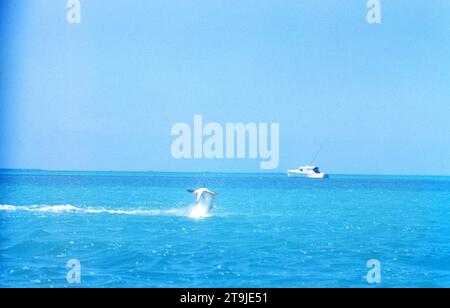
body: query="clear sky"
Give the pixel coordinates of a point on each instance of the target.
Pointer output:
(104, 94)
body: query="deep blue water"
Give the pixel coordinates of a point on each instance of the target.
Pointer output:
(131, 230)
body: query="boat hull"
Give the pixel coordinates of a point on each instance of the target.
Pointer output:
(297, 174)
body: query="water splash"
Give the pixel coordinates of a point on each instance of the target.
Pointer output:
(199, 210)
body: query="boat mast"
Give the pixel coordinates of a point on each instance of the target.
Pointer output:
(318, 151)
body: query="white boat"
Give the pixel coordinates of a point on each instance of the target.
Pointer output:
(311, 172)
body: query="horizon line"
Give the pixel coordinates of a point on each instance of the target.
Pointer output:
(223, 172)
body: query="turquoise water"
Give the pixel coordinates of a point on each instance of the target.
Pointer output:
(132, 230)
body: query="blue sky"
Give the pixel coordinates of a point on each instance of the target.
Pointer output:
(103, 94)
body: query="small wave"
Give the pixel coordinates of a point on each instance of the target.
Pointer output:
(68, 208)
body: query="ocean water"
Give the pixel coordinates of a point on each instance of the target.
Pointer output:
(267, 230)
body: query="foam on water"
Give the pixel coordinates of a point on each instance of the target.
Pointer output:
(68, 208)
